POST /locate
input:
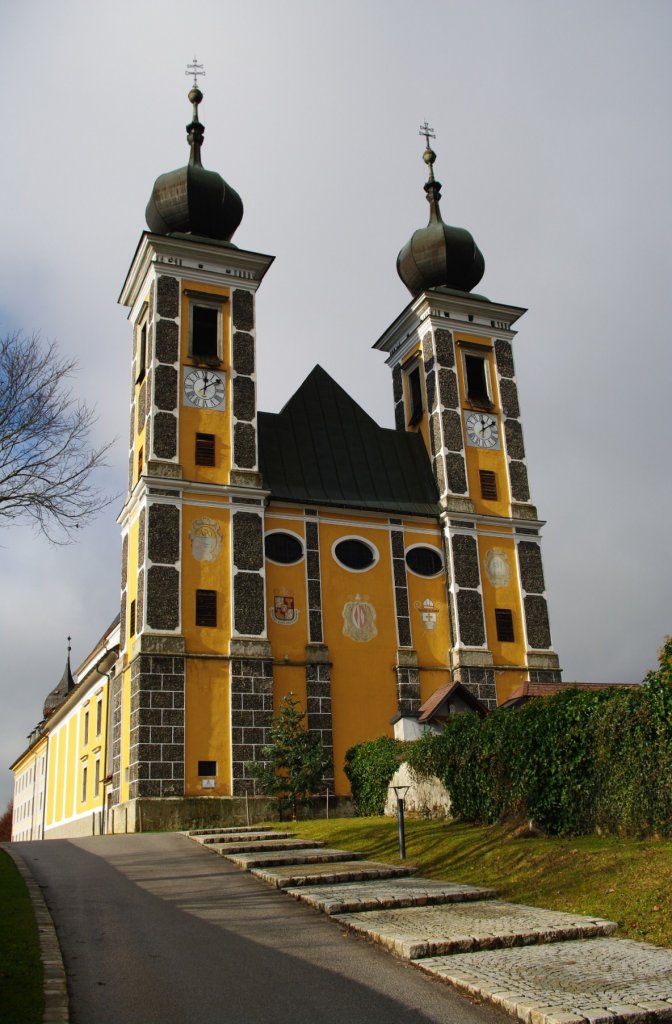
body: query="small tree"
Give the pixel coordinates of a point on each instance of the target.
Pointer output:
(46, 458)
(6, 823)
(293, 762)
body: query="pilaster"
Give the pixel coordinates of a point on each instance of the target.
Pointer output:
(251, 709)
(318, 703)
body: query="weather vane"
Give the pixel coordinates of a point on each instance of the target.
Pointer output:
(195, 69)
(428, 132)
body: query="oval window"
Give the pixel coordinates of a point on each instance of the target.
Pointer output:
(355, 554)
(424, 561)
(284, 548)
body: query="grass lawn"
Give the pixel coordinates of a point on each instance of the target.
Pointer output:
(625, 880)
(20, 966)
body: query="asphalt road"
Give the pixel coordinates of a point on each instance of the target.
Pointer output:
(153, 928)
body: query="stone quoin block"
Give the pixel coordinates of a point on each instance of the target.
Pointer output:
(164, 533)
(243, 353)
(168, 296)
(243, 310)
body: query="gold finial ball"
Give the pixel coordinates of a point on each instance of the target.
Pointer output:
(195, 95)
(429, 156)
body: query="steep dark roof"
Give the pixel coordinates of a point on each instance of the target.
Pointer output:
(322, 448)
(65, 685)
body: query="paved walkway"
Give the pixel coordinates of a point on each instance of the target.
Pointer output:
(155, 929)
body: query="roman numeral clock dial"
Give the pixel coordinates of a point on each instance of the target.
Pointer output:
(203, 389)
(482, 430)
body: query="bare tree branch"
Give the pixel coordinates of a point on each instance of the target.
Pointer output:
(46, 459)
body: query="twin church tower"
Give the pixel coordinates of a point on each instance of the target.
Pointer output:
(311, 550)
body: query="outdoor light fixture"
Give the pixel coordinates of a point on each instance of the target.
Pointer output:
(400, 792)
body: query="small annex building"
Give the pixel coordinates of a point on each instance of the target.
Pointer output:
(366, 569)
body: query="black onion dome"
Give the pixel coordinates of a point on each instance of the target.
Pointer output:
(192, 200)
(439, 255)
(61, 691)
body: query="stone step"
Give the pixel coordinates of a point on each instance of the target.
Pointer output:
(311, 854)
(237, 837)
(417, 932)
(256, 846)
(381, 894)
(225, 831)
(618, 981)
(282, 877)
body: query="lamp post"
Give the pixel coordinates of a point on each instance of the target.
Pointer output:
(400, 793)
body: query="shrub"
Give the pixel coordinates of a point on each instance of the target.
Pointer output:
(369, 767)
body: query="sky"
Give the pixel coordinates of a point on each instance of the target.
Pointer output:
(553, 145)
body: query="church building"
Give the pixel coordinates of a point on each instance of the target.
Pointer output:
(361, 568)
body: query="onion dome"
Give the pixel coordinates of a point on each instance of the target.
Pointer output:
(439, 255)
(61, 691)
(192, 200)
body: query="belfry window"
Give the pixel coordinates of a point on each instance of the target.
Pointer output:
(415, 403)
(477, 378)
(205, 327)
(142, 351)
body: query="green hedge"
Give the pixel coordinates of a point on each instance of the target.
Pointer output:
(370, 767)
(573, 763)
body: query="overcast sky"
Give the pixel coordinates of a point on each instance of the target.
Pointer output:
(553, 140)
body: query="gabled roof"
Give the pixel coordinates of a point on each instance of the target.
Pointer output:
(436, 707)
(323, 449)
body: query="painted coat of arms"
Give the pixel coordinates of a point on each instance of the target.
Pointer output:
(206, 539)
(359, 619)
(429, 611)
(283, 611)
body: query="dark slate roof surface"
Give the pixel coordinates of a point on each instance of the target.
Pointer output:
(323, 449)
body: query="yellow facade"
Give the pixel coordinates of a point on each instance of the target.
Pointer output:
(30, 791)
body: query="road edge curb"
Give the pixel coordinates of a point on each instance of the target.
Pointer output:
(54, 984)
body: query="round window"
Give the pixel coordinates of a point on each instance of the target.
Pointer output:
(424, 561)
(355, 554)
(284, 548)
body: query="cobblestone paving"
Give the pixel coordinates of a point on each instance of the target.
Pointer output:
(601, 980)
(256, 845)
(356, 897)
(462, 927)
(237, 837)
(195, 832)
(347, 871)
(310, 855)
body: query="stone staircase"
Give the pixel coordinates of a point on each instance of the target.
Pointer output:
(541, 966)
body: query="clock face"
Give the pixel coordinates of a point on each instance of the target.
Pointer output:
(203, 389)
(482, 430)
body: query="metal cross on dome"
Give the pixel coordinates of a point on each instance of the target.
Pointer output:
(195, 69)
(428, 132)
